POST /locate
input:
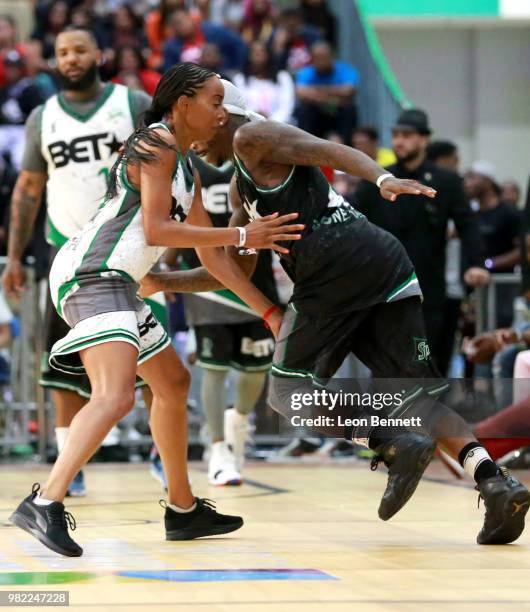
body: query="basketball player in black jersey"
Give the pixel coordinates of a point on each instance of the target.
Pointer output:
(355, 291)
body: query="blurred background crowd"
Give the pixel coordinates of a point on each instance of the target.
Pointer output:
(285, 56)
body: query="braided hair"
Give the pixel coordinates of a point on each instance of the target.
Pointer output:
(183, 79)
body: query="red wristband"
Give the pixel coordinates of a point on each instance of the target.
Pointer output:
(267, 314)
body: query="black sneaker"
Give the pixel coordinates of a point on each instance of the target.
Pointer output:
(49, 524)
(201, 522)
(406, 457)
(507, 502)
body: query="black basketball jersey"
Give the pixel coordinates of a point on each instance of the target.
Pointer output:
(343, 262)
(223, 306)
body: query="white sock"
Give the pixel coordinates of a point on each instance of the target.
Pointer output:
(474, 458)
(362, 442)
(182, 510)
(61, 433)
(40, 501)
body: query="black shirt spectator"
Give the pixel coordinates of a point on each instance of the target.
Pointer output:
(420, 223)
(500, 223)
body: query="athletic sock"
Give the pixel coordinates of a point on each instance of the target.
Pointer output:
(40, 501)
(475, 460)
(182, 510)
(61, 433)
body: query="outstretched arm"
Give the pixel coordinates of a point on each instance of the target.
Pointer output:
(266, 142)
(199, 279)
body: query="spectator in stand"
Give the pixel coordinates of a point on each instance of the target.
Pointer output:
(55, 18)
(211, 58)
(258, 20)
(326, 94)
(18, 98)
(82, 17)
(501, 227)
(511, 192)
(39, 71)
(8, 42)
(291, 41)
(158, 29)
(131, 69)
(366, 139)
(126, 29)
(268, 91)
(228, 13)
(443, 153)
(317, 13)
(189, 39)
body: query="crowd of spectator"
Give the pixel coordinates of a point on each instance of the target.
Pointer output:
(283, 55)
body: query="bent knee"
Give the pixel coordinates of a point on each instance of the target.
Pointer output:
(119, 404)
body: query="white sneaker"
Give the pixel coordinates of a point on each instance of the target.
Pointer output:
(221, 467)
(237, 430)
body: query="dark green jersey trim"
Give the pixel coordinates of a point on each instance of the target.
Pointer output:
(126, 183)
(53, 235)
(249, 178)
(107, 92)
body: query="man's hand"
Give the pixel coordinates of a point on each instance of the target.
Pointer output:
(482, 348)
(392, 187)
(149, 285)
(265, 232)
(477, 277)
(14, 279)
(505, 336)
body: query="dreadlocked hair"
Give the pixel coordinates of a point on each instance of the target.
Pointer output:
(182, 80)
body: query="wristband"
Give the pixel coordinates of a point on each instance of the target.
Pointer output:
(267, 314)
(382, 178)
(488, 264)
(242, 236)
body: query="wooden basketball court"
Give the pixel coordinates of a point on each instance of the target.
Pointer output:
(311, 541)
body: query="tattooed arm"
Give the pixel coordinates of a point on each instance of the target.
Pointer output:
(25, 204)
(199, 279)
(261, 144)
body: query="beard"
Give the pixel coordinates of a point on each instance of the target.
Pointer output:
(83, 83)
(408, 157)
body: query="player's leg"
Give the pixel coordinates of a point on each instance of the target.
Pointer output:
(66, 405)
(397, 349)
(186, 517)
(69, 392)
(215, 349)
(309, 350)
(252, 358)
(111, 367)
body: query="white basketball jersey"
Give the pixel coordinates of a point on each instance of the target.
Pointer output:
(80, 149)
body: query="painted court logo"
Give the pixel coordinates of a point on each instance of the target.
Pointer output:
(422, 352)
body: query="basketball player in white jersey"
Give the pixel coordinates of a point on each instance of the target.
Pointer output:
(72, 141)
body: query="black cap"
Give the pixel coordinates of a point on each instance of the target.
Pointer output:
(414, 119)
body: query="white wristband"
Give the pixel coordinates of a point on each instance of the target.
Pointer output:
(242, 236)
(382, 178)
